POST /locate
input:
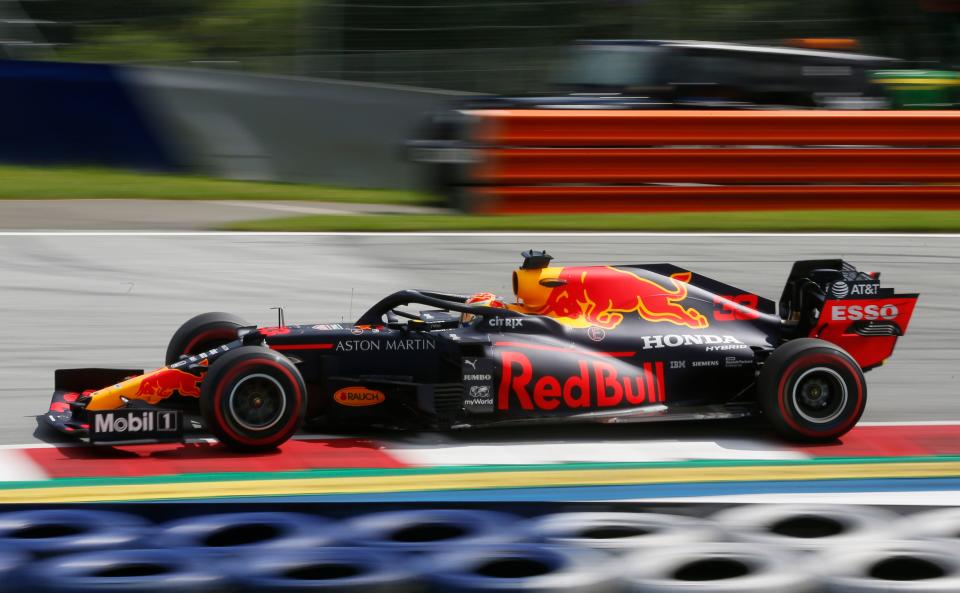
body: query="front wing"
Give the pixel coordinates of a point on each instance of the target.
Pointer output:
(135, 422)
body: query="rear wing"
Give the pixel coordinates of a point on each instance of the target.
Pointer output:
(833, 301)
(867, 328)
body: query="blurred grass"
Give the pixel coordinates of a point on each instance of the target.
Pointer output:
(790, 221)
(47, 183)
(37, 183)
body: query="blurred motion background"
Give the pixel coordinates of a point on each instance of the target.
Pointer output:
(251, 111)
(498, 46)
(344, 93)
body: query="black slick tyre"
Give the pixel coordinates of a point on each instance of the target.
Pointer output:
(811, 390)
(122, 571)
(253, 399)
(201, 333)
(889, 567)
(527, 568)
(717, 568)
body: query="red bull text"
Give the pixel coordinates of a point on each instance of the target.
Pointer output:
(598, 384)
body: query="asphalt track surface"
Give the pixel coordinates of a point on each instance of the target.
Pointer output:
(152, 215)
(95, 300)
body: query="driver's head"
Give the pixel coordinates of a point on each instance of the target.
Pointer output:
(485, 299)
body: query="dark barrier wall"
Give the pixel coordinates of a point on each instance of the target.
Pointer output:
(222, 124)
(247, 126)
(53, 113)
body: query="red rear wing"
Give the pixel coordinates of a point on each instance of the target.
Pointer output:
(866, 328)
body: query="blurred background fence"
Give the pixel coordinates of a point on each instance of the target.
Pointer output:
(327, 91)
(476, 45)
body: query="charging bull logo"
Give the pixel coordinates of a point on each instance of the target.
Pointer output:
(162, 383)
(601, 296)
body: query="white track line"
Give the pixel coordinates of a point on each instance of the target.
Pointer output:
(912, 497)
(287, 208)
(16, 467)
(596, 452)
(912, 423)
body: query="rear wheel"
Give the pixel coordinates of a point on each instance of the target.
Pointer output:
(811, 390)
(253, 399)
(201, 333)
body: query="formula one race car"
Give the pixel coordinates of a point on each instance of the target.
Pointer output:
(625, 343)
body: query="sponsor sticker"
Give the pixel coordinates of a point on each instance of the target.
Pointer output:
(198, 357)
(121, 425)
(712, 342)
(358, 396)
(595, 333)
(693, 364)
(871, 312)
(505, 322)
(328, 327)
(390, 345)
(732, 362)
(704, 363)
(856, 289)
(478, 385)
(595, 384)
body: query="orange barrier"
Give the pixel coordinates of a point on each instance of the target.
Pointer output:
(597, 128)
(719, 165)
(612, 161)
(575, 199)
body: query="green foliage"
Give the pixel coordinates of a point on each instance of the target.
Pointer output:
(246, 27)
(107, 44)
(188, 29)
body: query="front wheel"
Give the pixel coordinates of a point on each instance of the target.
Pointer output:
(201, 333)
(253, 399)
(811, 390)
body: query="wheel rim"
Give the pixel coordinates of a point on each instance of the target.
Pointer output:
(820, 395)
(257, 402)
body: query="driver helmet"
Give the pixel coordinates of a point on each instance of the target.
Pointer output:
(486, 299)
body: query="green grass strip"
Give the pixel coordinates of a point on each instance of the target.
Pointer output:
(452, 470)
(48, 183)
(772, 221)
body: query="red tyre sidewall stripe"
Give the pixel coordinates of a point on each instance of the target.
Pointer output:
(204, 336)
(231, 375)
(813, 360)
